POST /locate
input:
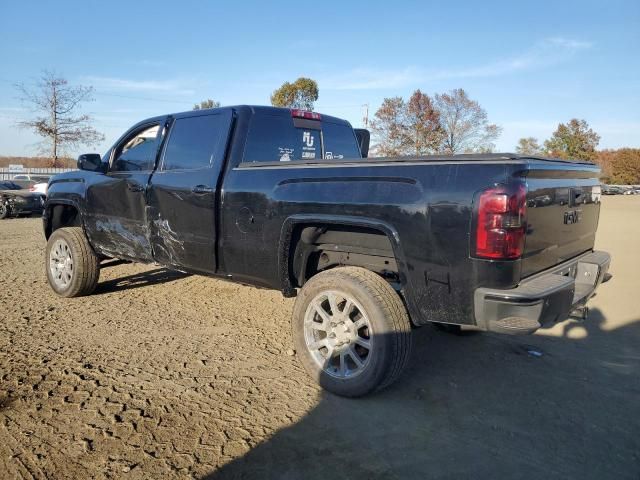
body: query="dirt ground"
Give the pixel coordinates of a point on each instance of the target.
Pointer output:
(164, 375)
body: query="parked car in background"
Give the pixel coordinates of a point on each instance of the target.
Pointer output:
(32, 177)
(15, 200)
(612, 190)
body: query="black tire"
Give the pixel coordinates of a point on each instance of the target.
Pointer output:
(85, 263)
(4, 210)
(390, 329)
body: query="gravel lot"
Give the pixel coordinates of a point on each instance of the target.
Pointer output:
(164, 375)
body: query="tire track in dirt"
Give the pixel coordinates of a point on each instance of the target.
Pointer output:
(157, 374)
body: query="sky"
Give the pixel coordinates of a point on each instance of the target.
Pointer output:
(531, 65)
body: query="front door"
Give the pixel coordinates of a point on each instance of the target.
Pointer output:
(115, 216)
(182, 191)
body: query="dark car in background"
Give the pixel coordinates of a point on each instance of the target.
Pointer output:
(612, 190)
(15, 200)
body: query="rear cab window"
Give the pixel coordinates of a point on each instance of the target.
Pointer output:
(280, 137)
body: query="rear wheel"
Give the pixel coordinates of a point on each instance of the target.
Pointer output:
(351, 330)
(71, 264)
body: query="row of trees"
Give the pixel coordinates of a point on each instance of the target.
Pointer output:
(446, 123)
(575, 139)
(620, 167)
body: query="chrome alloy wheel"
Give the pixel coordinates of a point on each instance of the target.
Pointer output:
(61, 264)
(337, 333)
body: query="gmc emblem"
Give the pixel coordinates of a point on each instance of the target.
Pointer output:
(572, 217)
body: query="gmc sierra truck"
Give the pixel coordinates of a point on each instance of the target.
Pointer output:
(288, 200)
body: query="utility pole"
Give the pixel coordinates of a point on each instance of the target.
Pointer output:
(365, 115)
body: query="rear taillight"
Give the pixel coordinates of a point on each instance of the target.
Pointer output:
(501, 223)
(297, 113)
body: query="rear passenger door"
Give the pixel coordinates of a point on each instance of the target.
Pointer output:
(182, 193)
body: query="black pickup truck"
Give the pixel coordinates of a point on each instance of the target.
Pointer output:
(288, 200)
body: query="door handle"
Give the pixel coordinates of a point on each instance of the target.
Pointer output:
(202, 189)
(135, 187)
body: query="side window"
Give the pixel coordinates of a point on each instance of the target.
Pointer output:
(137, 152)
(273, 138)
(339, 141)
(193, 142)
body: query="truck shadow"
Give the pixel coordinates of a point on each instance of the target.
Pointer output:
(476, 406)
(143, 279)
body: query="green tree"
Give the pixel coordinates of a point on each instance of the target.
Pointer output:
(573, 140)
(465, 124)
(529, 146)
(626, 167)
(389, 128)
(208, 103)
(424, 134)
(302, 93)
(604, 160)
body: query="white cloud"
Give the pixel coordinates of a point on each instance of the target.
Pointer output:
(546, 53)
(176, 87)
(569, 43)
(151, 63)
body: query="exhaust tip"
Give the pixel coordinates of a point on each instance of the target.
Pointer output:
(580, 313)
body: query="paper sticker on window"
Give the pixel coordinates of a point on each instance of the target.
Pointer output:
(285, 154)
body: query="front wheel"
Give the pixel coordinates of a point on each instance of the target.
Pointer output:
(351, 330)
(4, 210)
(71, 264)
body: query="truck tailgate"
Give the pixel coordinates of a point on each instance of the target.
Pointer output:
(563, 205)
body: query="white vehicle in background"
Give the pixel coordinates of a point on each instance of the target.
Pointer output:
(28, 181)
(39, 188)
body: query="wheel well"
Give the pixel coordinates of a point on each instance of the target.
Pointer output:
(319, 247)
(58, 216)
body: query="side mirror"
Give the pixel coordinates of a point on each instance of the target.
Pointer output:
(363, 137)
(91, 162)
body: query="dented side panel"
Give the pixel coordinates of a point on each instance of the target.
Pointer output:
(182, 222)
(115, 216)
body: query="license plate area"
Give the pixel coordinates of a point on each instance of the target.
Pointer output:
(587, 273)
(569, 271)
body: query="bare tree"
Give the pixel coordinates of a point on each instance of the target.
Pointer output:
(465, 123)
(389, 128)
(59, 122)
(424, 132)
